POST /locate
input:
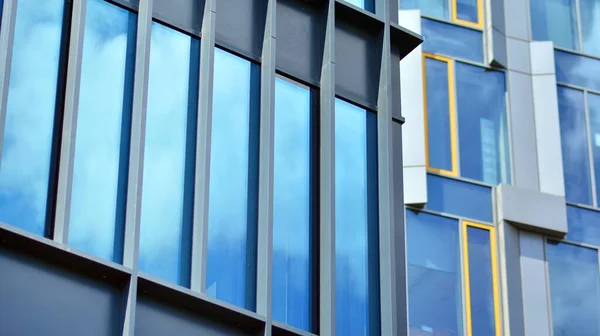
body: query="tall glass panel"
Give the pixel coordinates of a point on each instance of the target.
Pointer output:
(590, 26)
(433, 8)
(467, 10)
(292, 276)
(434, 275)
(573, 133)
(356, 221)
(574, 289)
(483, 135)
(103, 123)
(555, 20)
(593, 101)
(481, 281)
(439, 138)
(232, 213)
(28, 133)
(167, 192)
(452, 40)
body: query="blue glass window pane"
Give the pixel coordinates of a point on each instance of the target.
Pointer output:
(231, 268)
(483, 135)
(103, 123)
(594, 115)
(364, 4)
(452, 40)
(433, 8)
(584, 225)
(434, 275)
(590, 26)
(292, 276)
(459, 198)
(574, 289)
(467, 10)
(577, 70)
(574, 145)
(30, 114)
(165, 238)
(481, 281)
(555, 20)
(356, 221)
(438, 115)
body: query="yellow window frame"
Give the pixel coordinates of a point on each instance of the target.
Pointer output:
(495, 285)
(452, 115)
(476, 25)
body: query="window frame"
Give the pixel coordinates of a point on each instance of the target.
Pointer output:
(455, 19)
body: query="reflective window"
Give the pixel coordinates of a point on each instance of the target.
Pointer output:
(434, 8)
(577, 70)
(584, 225)
(467, 10)
(30, 114)
(292, 208)
(167, 191)
(459, 198)
(452, 40)
(103, 123)
(574, 289)
(483, 135)
(590, 26)
(574, 145)
(364, 4)
(356, 221)
(440, 116)
(555, 20)
(434, 275)
(593, 101)
(232, 214)
(483, 286)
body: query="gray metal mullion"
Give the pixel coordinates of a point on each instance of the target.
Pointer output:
(578, 24)
(7, 31)
(203, 136)
(327, 181)
(69, 130)
(136, 159)
(265, 183)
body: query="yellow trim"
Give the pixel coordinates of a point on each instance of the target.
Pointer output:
(476, 25)
(452, 106)
(495, 276)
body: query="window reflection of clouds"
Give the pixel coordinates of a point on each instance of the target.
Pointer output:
(24, 170)
(574, 145)
(438, 114)
(590, 26)
(434, 8)
(228, 203)
(574, 289)
(162, 244)
(352, 220)
(452, 40)
(291, 205)
(105, 74)
(594, 119)
(577, 70)
(583, 225)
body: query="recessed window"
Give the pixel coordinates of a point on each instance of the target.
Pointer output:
(464, 12)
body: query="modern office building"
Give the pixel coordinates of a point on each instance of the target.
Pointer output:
(201, 167)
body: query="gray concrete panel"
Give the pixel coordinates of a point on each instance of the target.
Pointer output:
(415, 185)
(510, 271)
(518, 55)
(517, 19)
(532, 210)
(542, 57)
(495, 45)
(183, 14)
(240, 26)
(536, 306)
(521, 130)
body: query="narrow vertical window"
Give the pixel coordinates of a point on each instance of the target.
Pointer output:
(555, 20)
(483, 135)
(292, 206)
(356, 221)
(167, 191)
(29, 128)
(232, 213)
(440, 115)
(483, 305)
(574, 143)
(434, 275)
(468, 12)
(593, 102)
(574, 289)
(103, 125)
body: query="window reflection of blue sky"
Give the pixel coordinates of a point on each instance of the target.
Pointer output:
(162, 220)
(452, 40)
(24, 169)
(109, 30)
(228, 202)
(434, 8)
(291, 205)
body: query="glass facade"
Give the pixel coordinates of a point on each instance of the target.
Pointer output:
(356, 222)
(29, 125)
(452, 40)
(99, 187)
